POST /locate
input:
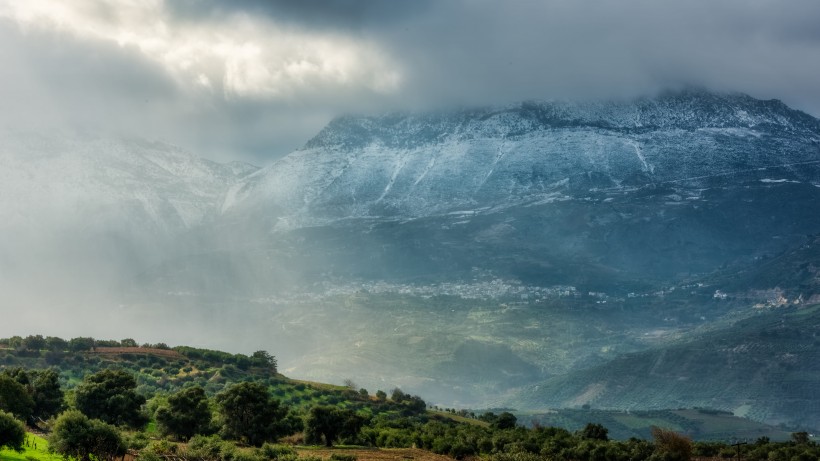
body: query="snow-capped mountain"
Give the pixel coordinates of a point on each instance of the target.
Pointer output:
(411, 166)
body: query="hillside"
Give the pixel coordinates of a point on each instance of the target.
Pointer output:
(161, 372)
(763, 367)
(699, 424)
(164, 370)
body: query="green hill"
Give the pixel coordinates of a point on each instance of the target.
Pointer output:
(162, 370)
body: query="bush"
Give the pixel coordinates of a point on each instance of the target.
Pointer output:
(12, 432)
(276, 452)
(671, 446)
(342, 457)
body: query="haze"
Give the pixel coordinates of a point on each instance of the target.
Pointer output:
(91, 86)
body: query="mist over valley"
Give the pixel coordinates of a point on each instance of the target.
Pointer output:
(472, 256)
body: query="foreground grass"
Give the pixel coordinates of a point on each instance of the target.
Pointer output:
(29, 452)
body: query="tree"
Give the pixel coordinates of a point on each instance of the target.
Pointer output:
(75, 435)
(186, 414)
(381, 396)
(81, 344)
(46, 393)
(397, 395)
(595, 432)
(54, 343)
(128, 342)
(14, 397)
(250, 414)
(42, 387)
(329, 423)
(264, 359)
(110, 396)
(671, 446)
(12, 432)
(800, 438)
(505, 420)
(34, 343)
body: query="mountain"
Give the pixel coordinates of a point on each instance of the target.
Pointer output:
(410, 166)
(467, 255)
(614, 197)
(764, 367)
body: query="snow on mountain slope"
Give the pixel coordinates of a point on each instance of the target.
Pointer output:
(419, 165)
(103, 184)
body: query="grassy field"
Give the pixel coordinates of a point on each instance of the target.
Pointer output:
(30, 452)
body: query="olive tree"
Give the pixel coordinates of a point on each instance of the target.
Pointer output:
(186, 414)
(110, 396)
(250, 414)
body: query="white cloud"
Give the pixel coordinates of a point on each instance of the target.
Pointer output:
(248, 57)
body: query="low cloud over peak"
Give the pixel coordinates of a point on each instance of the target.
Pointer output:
(256, 79)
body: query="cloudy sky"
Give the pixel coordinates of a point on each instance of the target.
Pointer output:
(253, 80)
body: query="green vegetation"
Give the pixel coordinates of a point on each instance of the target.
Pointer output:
(250, 414)
(197, 408)
(110, 396)
(186, 414)
(12, 432)
(34, 448)
(328, 424)
(77, 436)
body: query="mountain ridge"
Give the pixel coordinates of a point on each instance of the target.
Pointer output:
(688, 109)
(409, 166)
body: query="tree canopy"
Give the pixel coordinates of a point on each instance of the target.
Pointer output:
(12, 432)
(186, 414)
(14, 397)
(326, 423)
(110, 396)
(250, 414)
(75, 435)
(46, 393)
(595, 432)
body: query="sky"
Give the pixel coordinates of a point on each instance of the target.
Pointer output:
(254, 80)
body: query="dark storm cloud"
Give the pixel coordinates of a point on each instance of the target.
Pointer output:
(343, 14)
(287, 67)
(478, 51)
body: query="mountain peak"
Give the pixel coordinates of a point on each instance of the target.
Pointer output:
(687, 109)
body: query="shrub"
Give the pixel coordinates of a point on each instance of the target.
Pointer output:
(342, 457)
(276, 452)
(12, 432)
(671, 446)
